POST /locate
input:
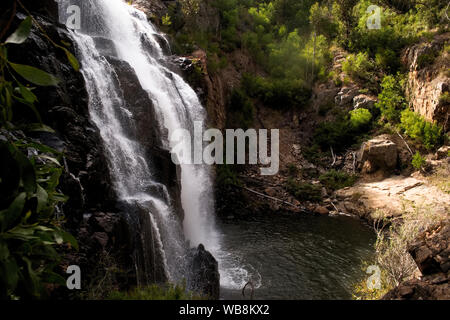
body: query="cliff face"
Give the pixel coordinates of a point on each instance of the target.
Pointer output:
(428, 78)
(111, 235)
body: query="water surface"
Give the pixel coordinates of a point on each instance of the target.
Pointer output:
(297, 256)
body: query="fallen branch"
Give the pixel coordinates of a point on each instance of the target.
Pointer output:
(334, 156)
(354, 162)
(256, 180)
(269, 197)
(398, 133)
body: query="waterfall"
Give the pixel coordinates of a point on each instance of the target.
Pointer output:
(113, 32)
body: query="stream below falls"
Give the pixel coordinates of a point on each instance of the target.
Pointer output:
(296, 256)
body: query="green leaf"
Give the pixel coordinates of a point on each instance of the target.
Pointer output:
(21, 34)
(38, 146)
(34, 279)
(55, 161)
(31, 106)
(69, 239)
(52, 277)
(9, 273)
(28, 174)
(39, 127)
(27, 94)
(4, 251)
(13, 212)
(34, 75)
(72, 60)
(58, 238)
(42, 198)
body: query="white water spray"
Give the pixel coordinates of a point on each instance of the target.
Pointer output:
(177, 106)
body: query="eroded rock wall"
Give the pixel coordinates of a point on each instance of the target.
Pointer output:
(428, 79)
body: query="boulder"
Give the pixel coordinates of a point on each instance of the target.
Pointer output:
(379, 153)
(364, 101)
(442, 152)
(346, 96)
(321, 210)
(204, 277)
(431, 251)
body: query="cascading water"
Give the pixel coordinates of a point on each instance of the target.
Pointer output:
(136, 42)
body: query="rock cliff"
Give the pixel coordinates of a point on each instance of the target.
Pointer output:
(428, 78)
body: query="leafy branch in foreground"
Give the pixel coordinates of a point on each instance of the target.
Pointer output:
(29, 175)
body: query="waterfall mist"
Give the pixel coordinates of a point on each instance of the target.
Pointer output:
(112, 29)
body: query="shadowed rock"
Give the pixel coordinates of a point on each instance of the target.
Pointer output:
(204, 277)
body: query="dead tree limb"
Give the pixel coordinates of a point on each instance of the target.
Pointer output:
(334, 156)
(410, 151)
(269, 197)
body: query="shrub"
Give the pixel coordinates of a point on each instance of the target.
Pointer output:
(444, 99)
(325, 107)
(391, 100)
(392, 245)
(242, 109)
(277, 93)
(338, 134)
(304, 191)
(361, 290)
(292, 170)
(29, 175)
(416, 127)
(335, 180)
(29, 231)
(426, 59)
(360, 118)
(226, 176)
(418, 161)
(359, 67)
(387, 59)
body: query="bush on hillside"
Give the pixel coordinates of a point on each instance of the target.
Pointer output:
(391, 100)
(424, 132)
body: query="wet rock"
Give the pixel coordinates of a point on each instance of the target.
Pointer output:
(140, 107)
(204, 277)
(105, 46)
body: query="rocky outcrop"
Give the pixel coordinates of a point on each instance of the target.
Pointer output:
(151, 8)
(428, 80)
(364, 101)
(346, 95)
(431, 253)
(204, 277)
(379, 153)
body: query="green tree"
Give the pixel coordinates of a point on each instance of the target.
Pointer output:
(391, 100)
